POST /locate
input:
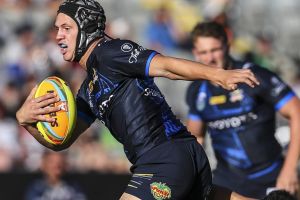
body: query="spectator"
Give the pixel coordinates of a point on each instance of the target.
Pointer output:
(161, 32)
(51, 186)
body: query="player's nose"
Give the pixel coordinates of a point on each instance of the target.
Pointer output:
(210, 57)
(59, 35)
(211, 60)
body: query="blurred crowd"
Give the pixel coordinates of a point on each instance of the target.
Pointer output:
(29, 53)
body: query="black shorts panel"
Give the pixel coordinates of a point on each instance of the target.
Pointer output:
(177, 169)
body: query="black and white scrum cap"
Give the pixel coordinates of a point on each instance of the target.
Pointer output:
(90, 18)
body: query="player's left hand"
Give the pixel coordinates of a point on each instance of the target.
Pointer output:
(229, 79)
(288, 180)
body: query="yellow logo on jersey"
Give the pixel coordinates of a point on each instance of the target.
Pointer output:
(216, 100)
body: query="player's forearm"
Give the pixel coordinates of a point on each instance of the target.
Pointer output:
(38, 136)
(291, 111)
(175, 68)
(293, 152)
(32, 129)
(188, 70)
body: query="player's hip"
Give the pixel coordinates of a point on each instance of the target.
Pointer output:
(177, 169)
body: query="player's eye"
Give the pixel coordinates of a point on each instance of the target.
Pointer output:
(217, 49)
(200, 53)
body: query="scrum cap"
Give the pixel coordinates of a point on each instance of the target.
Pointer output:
(90, 18)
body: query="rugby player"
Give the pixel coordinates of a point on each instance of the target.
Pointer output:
(241, 123)
(119, 90)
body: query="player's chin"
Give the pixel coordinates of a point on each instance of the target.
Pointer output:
(68, 58)
(216, 66)
(219, 65)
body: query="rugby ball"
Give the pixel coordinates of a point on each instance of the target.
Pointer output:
(59, 131)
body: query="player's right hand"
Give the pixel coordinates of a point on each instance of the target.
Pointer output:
(35, 109)
(229, 79)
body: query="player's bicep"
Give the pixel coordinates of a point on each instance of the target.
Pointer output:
(164, 66)
(157, 67)
(194, 123)
(83, 122)
(85, 117)
(272, 88)
(196, 127)
(291, 108)
(81, 126)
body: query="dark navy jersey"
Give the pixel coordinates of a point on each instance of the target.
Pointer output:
(241, 122)
(119, 92)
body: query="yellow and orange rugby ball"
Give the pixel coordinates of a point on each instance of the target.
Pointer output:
(59, 131)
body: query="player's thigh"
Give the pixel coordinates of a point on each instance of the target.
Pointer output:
(160, 185)
(171, 171)
(126, 196)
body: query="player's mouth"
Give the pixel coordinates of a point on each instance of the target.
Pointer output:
(63, 48)
(213, 63)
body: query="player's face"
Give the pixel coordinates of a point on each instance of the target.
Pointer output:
(66, 36)
(53, 165)
(210, 51)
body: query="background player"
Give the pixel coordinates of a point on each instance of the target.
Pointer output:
(119, 90)
(241, 123)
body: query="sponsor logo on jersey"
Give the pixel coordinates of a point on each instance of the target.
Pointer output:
(134, 54)
(217, 100)
(153, 93)
(160, 191)
(236, 95)
(248, 65)
(91, 86)
(127, 47)
(201, 101)
(104, 105)
(278, 86)
(232, 122)
(98, 92)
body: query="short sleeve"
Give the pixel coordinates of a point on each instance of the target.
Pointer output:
(127, 58)
(191, 99)
(272, 88)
